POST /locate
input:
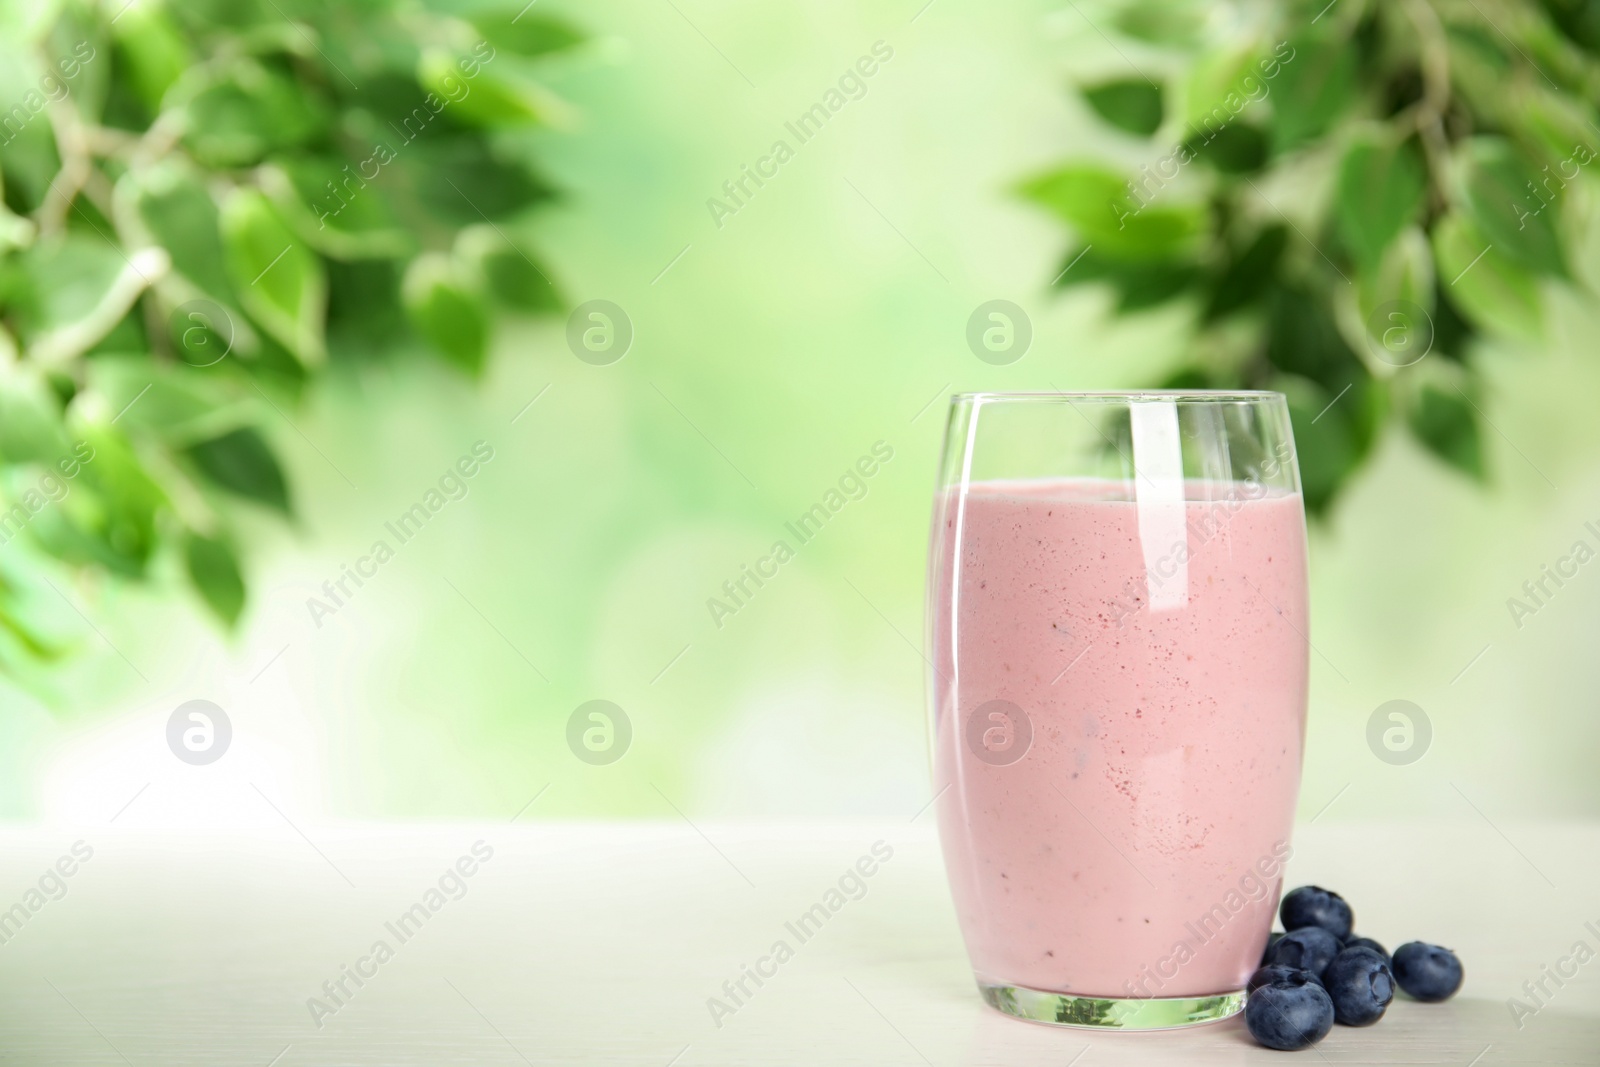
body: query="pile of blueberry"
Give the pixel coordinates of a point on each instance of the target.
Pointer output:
(1317, 974)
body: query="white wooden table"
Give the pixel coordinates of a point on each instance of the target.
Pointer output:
(601, 943)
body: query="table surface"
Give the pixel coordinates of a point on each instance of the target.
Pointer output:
(602, 943)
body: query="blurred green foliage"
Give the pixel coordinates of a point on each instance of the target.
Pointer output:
(1336, 191)
(203, 203)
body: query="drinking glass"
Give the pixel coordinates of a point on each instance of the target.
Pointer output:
(1117, 628)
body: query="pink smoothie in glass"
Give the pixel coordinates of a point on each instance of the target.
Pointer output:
(1136, 848)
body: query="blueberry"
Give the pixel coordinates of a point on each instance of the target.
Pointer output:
(1426, 971)
(1311, 905)
(1367, 942)
(1360, 984)
(1292, 1014)
(1310, 948)
(1275, 973)
(1272, 939)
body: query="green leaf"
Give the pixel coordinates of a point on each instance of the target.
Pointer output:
(365, 318)
(1325, 445)
(28, 153)
(1316, 83)
(1493, 292)
(1132, 104)
(1190, 379)
(180, 214)
(513, 273)
(1103, 209)
(30, 419)
(231, 15)
(1481, 68)
(1447, 425)
(1238, 148)
(241, 462)
(16, 232)
(482, 98)
(280, 282)
(447, 306)
(151, 50)
(1578, 19)
(175, 403)
(461, 180)
(36, 624)
(1379, 193)
(1247, 275)
(1369, 410)
(1138, 285)
(1558, 131)
(386, 107)
(1396, 302)
(1222, 84)
(256, 110)
(525, 33)
(58, 283)
(1404, 273)
(1452, 333)
(1501, 199)
(1161, 22)
(27, 22)
(1304, 340)
(109, 515)
(30, 162)
(335, 208)
(215, 572)
(1477, 50)
(77, 51)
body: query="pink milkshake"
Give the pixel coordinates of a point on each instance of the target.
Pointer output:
(1119, 700)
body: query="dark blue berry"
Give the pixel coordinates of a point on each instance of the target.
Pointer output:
(1311, 905)
(1310, 948)
(1360, 985)
(1367, 942)
(1292, 1014)
(1426, 971)
(1274, 973)
(1272, 939)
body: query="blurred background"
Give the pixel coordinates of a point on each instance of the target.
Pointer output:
(772, 332)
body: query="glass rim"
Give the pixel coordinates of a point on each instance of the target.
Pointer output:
(1182, 396)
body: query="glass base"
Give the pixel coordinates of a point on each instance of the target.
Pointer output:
(1105, 1013)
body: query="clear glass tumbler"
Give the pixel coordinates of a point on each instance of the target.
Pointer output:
(1117, 631)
